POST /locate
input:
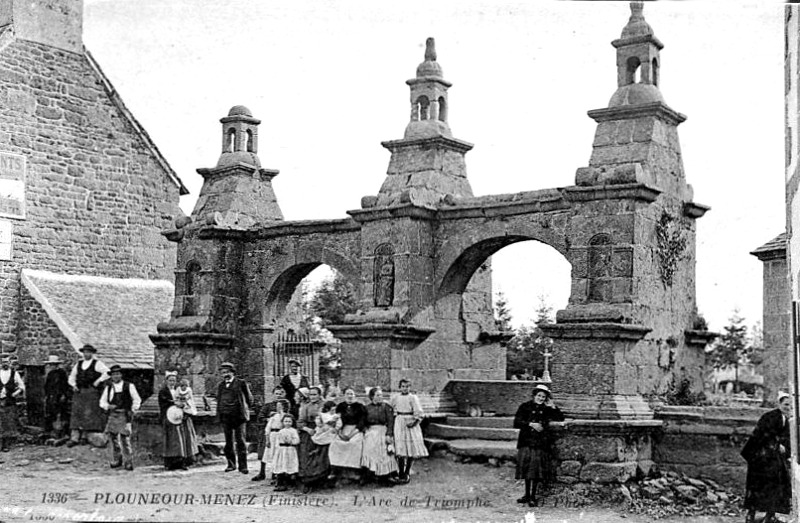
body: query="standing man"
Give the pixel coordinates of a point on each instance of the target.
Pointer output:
(56, 396)
(233, 408)
(293, 381)
(120, 399)
(11, 386)
(85, 380)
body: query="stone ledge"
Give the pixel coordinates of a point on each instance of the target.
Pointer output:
(635, 191)
(627, 112)
(613, 331)
(281, 229)
(381, 330)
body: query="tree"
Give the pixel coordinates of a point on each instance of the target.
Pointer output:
(525, 351)
(732, 347)
(332, 300)
(502, 314)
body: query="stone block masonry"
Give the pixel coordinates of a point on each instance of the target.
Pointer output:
(97, 192)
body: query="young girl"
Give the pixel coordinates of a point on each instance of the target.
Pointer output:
(286, 463)
(408, 442)
(328, 422)
(271, 429)
(184, 394)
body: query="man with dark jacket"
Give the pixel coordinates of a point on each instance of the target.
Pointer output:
(292, 382)
(233, 408)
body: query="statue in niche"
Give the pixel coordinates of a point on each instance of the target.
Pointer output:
(600, 268)
(384, 275)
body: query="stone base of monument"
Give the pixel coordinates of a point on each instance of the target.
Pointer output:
(602, 451)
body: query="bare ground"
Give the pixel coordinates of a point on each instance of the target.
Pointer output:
(37, 487)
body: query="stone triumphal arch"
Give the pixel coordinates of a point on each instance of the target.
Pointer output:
(417, 253)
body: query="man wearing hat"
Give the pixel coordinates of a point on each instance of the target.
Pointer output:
(233, 408)
(120, 399)
(293, 381)
(85, 380)
(11, 386)
(56, 397)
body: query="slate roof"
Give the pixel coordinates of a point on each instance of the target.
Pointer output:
(114, 315)
(776, 247)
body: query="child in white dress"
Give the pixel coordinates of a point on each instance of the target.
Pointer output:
(408, 442)
(271, 429)
(285, 463)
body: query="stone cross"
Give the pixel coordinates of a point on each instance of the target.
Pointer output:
(546, 374)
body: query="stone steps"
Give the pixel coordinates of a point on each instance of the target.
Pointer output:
(474, 448)
(500, 422)
(447, 431)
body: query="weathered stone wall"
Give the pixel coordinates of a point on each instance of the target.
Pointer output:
(501, 397)
(97, 198)
(777, 328)
(705, 442)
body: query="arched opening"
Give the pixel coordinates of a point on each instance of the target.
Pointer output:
(423, 107)
(249, 146)
(230, 143)
(654, 71)
(494, 295)
(442, 109)
(190, 286)
(633, 70)
(301, 303)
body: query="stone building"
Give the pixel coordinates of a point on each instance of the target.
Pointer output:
(792, 151)
(777, 317)
(84, 194)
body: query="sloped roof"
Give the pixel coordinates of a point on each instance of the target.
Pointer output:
(775, 248)
(114, 315)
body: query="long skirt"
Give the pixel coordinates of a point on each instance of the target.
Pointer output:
(769, 486)
(408, 442)
(347, 453)
(189, 438)
(269, 453)
(9, 422)
(535, 464)
(86, 412)
(375, 456)
(314, 462)
(175, 441)
(286, 461)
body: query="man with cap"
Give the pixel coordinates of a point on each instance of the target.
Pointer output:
(293, 381)
(120, 399)
(233, 408)
(56, 397)
(85, 379)
(11, 386)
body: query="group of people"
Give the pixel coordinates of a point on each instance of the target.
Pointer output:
(311, 440)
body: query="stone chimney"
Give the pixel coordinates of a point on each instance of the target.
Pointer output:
(57, 23)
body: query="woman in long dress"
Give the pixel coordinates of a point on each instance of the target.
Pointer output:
(314, 463)
(769, 487)
(379, 438)
(345, 451)
(408, 442)
(534, 444)
(175, 451)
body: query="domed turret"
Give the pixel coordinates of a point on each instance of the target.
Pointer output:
(428, 98)
(239, 138)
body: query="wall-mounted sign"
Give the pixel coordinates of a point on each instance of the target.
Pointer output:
(6, 233)
(12, 185)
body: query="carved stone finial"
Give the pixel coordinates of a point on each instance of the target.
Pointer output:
(636, 10)
(430, 50)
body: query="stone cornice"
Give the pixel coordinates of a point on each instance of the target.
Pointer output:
(423, 79)
(636, 191)
(491, 206)
(381, 330)
(614, 331)
(641, 39)
(435, 141)
(245, 168)
(699, 338)
(405, 210)
(279, 229)
(629, 112)
(695, 210)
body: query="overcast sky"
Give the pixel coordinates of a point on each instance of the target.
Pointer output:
(327, 80)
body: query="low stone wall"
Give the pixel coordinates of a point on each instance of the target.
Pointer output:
(705, 441)
(501, 397)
